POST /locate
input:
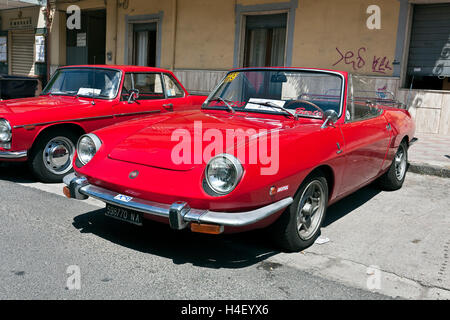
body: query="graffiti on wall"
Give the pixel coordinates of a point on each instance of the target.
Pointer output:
(358, 60)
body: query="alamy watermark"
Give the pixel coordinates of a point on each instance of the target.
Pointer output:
(251, 146)
(74, 280)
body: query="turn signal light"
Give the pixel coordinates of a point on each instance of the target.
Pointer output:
(206, 228)
(66, 192)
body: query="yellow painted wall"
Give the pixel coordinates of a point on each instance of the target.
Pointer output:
(205, 32)
(322, 26)
(148, 7)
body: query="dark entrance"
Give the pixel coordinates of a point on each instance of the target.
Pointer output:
(144, 44)
(87, 45)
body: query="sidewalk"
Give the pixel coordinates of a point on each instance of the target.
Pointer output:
(430, 155)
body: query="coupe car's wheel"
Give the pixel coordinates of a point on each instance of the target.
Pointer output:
(393, 179)
(51, 157)
(299, 226)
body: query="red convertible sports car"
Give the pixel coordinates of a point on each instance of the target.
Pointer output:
(270, 147)
(77, 100)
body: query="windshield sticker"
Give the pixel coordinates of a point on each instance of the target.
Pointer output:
(304, 112)
(88, 92)
(231, 77)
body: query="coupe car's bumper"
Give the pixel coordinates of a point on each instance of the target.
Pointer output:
(13, 154)
(179, 214)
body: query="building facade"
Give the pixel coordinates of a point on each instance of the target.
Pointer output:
(398, 45)
(22, 38)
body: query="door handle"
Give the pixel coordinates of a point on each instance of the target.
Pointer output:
(388, 127)
(168, 106)
(339, 148)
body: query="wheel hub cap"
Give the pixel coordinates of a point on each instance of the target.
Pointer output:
(311, 209)
(400, 164)
(58, 155)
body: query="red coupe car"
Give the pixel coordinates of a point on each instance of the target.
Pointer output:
(77, 100)
(270, 147)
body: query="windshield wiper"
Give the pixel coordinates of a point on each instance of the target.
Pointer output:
(62, 93)
(273, 105)
(225, 102)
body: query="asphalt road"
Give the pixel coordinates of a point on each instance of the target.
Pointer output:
(400, 238)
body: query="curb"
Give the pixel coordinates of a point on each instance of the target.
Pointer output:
(427, 169)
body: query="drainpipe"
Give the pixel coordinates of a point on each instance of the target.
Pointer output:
(174, 27)
(115, 17)
(47, 38)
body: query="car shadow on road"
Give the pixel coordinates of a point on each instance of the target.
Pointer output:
(16, 172)
(210, 251)
(350, 203)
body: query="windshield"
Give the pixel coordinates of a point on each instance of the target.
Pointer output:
(300, 93)
(86, 82)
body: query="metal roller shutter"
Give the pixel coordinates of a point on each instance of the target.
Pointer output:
(429, 53)
(22, 53)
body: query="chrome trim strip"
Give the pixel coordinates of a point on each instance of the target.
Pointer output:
(62, 121)
(86, 119)
(136, 113)
(235, 219)
(13, 154)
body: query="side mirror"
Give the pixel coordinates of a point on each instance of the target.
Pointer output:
(134, 95)
(329, 118)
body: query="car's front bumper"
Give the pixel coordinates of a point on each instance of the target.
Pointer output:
(11, 155)
(179, 214)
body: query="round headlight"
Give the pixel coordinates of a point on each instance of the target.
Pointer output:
(223, 173)
(5, 131)
(88, 146)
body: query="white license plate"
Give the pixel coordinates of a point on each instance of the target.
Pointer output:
(124, 214)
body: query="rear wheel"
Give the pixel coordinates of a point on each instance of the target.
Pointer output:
(393, 179)
(299, 226)
(51, 157)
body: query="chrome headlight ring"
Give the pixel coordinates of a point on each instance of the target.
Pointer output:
(87, 147)
(223, 173)
(5, 131)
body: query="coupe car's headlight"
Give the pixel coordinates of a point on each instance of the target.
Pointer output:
(5, 131)
(223, 173)
(88, 146)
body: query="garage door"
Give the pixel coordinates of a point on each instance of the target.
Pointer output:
(430, 41)
(22, 53)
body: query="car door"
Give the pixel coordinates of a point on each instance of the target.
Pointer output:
(177, 97)
(151, 98)
(367, 135)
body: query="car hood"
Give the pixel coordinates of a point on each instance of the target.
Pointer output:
(15, 106)
(162, 144)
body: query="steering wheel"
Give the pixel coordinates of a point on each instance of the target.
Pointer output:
(304, 101)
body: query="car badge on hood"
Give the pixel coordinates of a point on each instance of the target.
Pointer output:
(133, 174)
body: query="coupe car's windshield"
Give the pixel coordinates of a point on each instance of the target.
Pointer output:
(86, 82)
(285, 91)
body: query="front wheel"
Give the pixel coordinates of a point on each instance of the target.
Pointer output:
(393, 179)
(299, 226)
(51, 158)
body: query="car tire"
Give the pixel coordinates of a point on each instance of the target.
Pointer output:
(393, 179)
(51, 156)
(291, 230)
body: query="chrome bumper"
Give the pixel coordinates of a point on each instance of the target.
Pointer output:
(178, 213)
(13, 154)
